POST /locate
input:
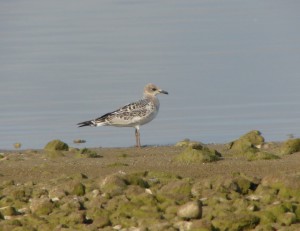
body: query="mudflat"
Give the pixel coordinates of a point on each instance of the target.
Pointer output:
(34, 165)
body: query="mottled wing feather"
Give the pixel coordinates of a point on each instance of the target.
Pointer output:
(127, 114)
(138, 105)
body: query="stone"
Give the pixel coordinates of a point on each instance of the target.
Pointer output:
(8, 211)
(190, 210)
(41, 206)
(56, 145)
(290, 146)
(247, 142)
(287, 218)
(235, 222)
(113, 185)
(78, 189)
(197, 154)
(183, 225)
(249, 146)
(187, 143)
(179, 190)
(57, 193)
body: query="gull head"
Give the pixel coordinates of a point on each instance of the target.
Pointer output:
(153, 90)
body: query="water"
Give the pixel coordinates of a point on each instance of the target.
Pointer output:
(229, 66)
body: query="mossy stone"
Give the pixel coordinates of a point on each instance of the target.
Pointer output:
(145, 212)
(190, 210)
(277, 209)
(254, 137)
(113, 185)
(157, 178)
(99, 217)
(245, 148)
(266, 217)
(235, 222)
(290, 146)
(247, 143)
(86, 152)
(287, 219)
(54, 154)
(56, 145)
(179, 191)
(133, 191)
(73, 218)
(137, 179)
(187, 143)
(41, 206)
(197, 155)
(261, 155)
(9, 211)
(70, 204)
(297, 212)
(18, 194)
(144, 199)
(78, 189)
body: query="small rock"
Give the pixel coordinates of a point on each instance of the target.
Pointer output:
(287, 219)
(78, 189)
(290, 146)
(147, 190)
(56, 193)
(79, 141)
(247, 142)
(190, 210)
(56, 145)
(183, 225)
(113, 185)
(178, 190)
(41, 206)
(198, 154)
(8, 211)
(187, 143)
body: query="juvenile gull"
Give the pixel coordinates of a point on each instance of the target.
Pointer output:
(131, 115)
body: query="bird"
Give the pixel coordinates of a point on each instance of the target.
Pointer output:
(133, 114)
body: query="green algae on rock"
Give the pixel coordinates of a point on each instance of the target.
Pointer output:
(78, 189)
(56, 145)
(290, 146)
(190, 210)
(235, 222)
(113, 185)
(198, 153)
(247, 146)
(187, 143)
(260, 155)
(86, 152)
(247, 142)
(171, 203)
(179, 191)
(41, 206)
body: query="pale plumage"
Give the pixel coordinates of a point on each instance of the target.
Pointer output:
(133, 114)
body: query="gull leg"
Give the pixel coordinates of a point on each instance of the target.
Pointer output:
(137, 137)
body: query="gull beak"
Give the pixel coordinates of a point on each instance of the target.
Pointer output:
(163, 92)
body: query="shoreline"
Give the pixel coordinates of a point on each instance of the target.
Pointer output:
(119, 188)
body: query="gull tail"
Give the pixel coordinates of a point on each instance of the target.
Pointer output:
(87, 123)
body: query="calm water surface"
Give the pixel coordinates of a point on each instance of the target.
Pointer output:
(229, 66)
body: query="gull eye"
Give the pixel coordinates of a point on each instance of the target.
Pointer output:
(154, 89)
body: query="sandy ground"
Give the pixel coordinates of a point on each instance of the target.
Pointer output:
(34, 165)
